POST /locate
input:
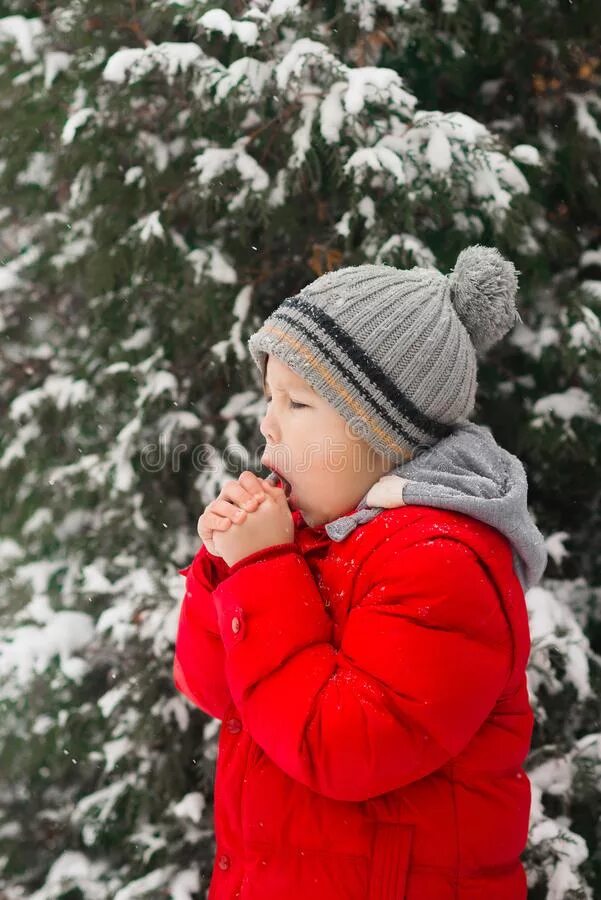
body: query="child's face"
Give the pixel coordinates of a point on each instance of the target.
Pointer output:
(311, 445)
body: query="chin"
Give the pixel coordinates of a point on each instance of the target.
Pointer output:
(312, 521)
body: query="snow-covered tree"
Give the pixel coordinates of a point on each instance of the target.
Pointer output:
(169, 172)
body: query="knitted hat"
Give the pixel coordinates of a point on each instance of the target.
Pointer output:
(394, 351)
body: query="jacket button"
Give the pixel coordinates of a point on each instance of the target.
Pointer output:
(235, 624)
(233, 725)
(224, 862)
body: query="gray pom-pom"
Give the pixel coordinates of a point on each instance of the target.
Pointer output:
(483, 289)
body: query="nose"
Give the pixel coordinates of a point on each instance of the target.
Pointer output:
(269, 429)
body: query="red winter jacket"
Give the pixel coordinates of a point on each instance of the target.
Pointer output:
(375, 711)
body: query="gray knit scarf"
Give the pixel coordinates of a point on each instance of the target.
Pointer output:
(470, 473)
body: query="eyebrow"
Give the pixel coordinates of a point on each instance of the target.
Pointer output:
(300, 387)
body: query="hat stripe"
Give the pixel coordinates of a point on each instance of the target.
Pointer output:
(366, 366)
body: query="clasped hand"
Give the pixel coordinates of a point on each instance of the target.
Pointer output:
(248, 515)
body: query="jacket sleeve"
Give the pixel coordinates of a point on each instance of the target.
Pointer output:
(198, 663)
(199, 658)
(424, 655)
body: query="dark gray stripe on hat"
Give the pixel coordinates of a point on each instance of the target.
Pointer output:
(366, 366)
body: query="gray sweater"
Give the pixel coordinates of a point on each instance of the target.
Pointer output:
(470, 473)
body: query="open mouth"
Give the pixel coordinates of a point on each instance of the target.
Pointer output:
(275, 477)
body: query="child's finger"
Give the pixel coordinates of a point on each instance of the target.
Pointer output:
(253, 484)
(228, 510)
(210, 522)
(241, 494)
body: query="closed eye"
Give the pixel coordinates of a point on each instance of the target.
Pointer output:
(293, 403)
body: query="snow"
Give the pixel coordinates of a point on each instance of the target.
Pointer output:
(185, 885)
(533, 342)
(366, 10)
(17, 449)
(10, 551)
(100, 803)
(111, 699)
(490, 23)
(175, 707)
(569, 851)
(155, 881)
(210, 262)
(94, 581)
(171, 57)
(235, 340)
(72, 870)
(29, 649)
(62, 390)
(75, 121)
(216, 161)
(8, 278)
(157, 149)
(237, 404)
(372, 83)
(589, 286)
(303, 51)
(249, 76)
(25, 33)
(72, 251)
(553, 776)
(455, 125)
(574, 401)
(181, 420)
(217, 20)
(55, 61)
(277, 195)
(251, 172)
(331, 113)
(246, 32)
(191, 806)
(133, 174)
(408, 243)
(586, 333)
(526, 154)
(438, 152)
(149, 226)
(554, 545)
(39, 169)
(367, 208)
(157, 383)
(283, 8)
(115, 750)
(301, 138)
(590, 258)
(585, 121)
(552, 624)
(220, 20)
(498, 178)
(379, 159)
(139, 339)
